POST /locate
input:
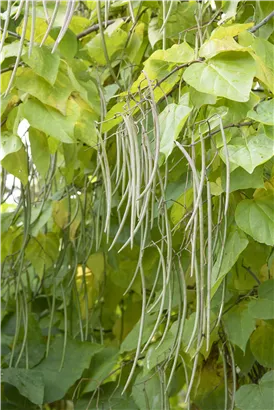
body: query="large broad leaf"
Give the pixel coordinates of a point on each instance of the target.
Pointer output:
(234, 246)
(255, 217)
(30, 383)
(54, 95)
(262, 346)
(230, 30)
(43, 62)
(16, 164)
(228, 75)
(146, 391)
(11, 50)
(101, 366)
(171, 120)
(250, 152)
(115, 39)
(263, 307)
(39, 151)
(263, 53)
(179, 53)
(9, 143)
(241, 179)
(239, 325)
(50, 121)
(77, 358)
(215, 46)
(68, 46)
(130, 341)
(181, 206)
(257, 396)
(263, 113)
(42, 251)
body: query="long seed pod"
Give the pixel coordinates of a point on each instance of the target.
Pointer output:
(53, 17)
(68, 16)
(209, 263)
(6, 25)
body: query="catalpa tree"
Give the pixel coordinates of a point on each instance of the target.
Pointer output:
(137, 205)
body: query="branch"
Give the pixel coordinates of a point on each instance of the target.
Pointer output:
(247, 268)
(179, 67)
(9, 68)
(96, 27)
(262, 23)
(240, 124)
(11, 33)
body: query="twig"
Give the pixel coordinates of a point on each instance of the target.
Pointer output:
(247, 268)
(179, 67)
(9, 68)
(11, 33)
(240, 124)
(262, 23)
(96, 27)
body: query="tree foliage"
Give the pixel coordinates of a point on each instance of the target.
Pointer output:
(137, 205)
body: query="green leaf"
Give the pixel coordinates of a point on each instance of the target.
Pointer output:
(101, 366)
(39, 151)
(255, 217)
(261, 309)
(241, 179)
(77, 358)
(16, 164)
(239, 324)
(129, 342)
(54, 95)
(42, 251)
(179, 53)
(9, 143)
(115, 39)
(171, 120)
(11, 50)
(29, 383)
(266, 290)
(50, 121)
(263, 112)
(40, 216)
(68, 45)
(257, 396)
(43, 62)
(249, 152)
(262, 346)
(215, 46)
(231, 30)
(235, 244)
(228, 75)
(146, 391)
(181, 206)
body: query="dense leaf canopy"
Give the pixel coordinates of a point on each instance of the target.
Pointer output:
(137, 205)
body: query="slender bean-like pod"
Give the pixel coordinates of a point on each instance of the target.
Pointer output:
(6, 25)
(221, 350)
(181, 324)
(26, 325)
(157, 139)
(51, 317)
(104, 46)
(234, 376)
(209, 263)
(142, 322)
(161, 308)
(45, 10)
(169, 309)
(131, 12)
(21, 44)
(33, 17)
(166, 15)
(65, 327)
(68, 16)
(198, 308)
(20, 8)
(53, 17)
(17, 327)
(123, 220)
